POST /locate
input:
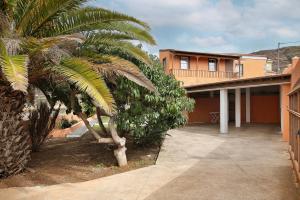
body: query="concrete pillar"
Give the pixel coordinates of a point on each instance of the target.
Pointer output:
(223, 111)
(238, 107)
(248, 108)
(285, 89)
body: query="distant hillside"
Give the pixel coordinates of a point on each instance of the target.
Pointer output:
(286, 55)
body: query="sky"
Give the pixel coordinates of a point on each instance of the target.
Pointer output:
(228, 26)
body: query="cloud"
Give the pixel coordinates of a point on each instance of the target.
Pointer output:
(257, 18)
(209, 41)
(241, 22)
(286, 32)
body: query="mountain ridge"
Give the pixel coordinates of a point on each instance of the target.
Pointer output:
(285, 55)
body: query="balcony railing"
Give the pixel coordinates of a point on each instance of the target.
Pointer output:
(294, 135)
(203, 74)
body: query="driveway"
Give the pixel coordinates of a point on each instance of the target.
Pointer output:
(250, 163)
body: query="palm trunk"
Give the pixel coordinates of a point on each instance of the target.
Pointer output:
(14, 137)
(98, 112)
(120, 152)
(93, 132)
(42, 122)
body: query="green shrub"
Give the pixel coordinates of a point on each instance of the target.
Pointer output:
(145, 115)
(64, 123)
(73, 122)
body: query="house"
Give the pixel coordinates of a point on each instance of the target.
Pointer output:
(195, 67)
(240, 89)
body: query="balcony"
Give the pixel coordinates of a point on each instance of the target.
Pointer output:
(193, 77)
(204, 74)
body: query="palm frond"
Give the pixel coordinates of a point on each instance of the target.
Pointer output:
(14, 68)
(32, 45)
(85, 19)
(124, 68)
(123, 30)
(22, 6)
(123, 46)
(38, 13)
(82, 75)
(108, 36)
(7, 6)
(4, 24)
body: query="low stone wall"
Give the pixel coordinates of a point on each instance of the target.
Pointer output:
(56, 133)
(64, 132)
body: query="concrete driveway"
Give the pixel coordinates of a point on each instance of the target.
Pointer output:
(250, 163)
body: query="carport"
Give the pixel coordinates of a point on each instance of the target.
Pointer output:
(259, 100)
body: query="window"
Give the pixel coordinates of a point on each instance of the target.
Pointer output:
(184, 63)
(164, 62)
(269, 67)
(239, 69)
(212, 65)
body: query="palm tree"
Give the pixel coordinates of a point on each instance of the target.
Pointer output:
(42, 38)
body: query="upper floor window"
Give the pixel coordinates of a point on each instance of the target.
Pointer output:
(164, 62)
(269, 65)
(212, 65)
(239, 68)
(184, 63)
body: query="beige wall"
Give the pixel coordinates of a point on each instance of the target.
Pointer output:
(253, 67)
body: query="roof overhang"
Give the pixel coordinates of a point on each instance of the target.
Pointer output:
(255, 57)
(191, 53)
(241, 83)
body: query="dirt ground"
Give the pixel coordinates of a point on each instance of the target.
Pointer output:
(75, 160)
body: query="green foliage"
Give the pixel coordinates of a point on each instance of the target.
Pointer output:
(64, 123)
(14, 68)
(86, 105)
(146, 115)
(81, 74)
(42, 37)
(73, 122)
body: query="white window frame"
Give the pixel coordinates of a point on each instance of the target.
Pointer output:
(184, 63)
(269, 67)
(212, 68)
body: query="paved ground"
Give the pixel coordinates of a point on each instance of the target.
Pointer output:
(82, 129)
(250, 163)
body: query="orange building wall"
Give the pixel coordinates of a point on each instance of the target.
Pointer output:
(295, 68)
(265, 109)
(285, 89)
(202, 63)
(188, 81)
(252, 68)
(203, 106)
(168, 57)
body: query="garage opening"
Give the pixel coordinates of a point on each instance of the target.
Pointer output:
(264, 106)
